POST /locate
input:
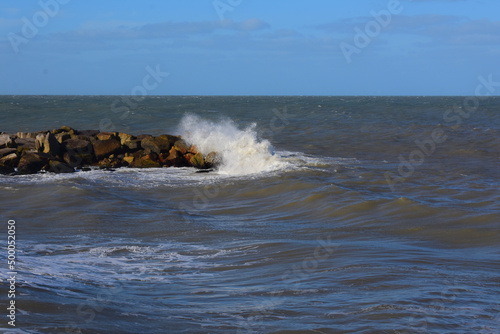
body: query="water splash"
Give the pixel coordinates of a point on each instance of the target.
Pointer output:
(242, 153)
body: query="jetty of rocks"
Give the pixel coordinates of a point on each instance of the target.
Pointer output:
(65, 150)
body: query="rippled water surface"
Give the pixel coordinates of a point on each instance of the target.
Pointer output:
(329, 215)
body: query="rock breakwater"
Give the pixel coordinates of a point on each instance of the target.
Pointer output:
(66, 150)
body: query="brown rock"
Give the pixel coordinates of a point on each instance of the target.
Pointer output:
(145, 162)
(171, 139)
(60, 167)
(197, 161)
(129, 160)
(124, 137)
(212, 160)
(181, 146)
(10, 160)
(6, 170)
(107, 135)
(111, 163)
(66, 128)
(107, 147)
(47, 143)
(6, 140)
(78, 152)
(132, 144)
(175, 159)
(61, 137)
(25, 144)
(31, 163)
(156, 144)
(6, 151)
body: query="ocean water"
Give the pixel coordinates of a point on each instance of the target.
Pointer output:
(328, 215)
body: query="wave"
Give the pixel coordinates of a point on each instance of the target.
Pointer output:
(241, 152)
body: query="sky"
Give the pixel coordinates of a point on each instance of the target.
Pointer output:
(248, 47)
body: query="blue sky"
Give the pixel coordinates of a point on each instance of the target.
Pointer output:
(248, 47)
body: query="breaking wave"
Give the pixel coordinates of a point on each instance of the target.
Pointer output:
(240, 150)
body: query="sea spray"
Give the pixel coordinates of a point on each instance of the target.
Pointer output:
(240, 150)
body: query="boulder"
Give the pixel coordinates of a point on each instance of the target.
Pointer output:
(132, 145)
(89, 133)
(7, 151)
(197, 161)
(146, 161)
(6, 170)
(104, 148)
(175, 159)
(25, 144)
(78, 152)
(56, 166)
(31, 163)
(124, 137)
(61, 137)
(47, 143)
(156, 144)
(129, 160)
(181, 146)
(107, 135)
(171, 139)
(6, 141)
(10, 160)
(212, 160)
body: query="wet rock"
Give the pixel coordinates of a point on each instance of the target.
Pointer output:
(6, 170)
(212, 160)
(156, 144)
(61, 137)
(129, 160)
(25, 144)
(31, 163)
(171, 139)
(181, 146)
(124, 137)
(107, 135)
(146, 161)
(107, 147)
(132, 145)
(197, 161)
(6, 141)
(56, 166)
(47, 143)
(7, 151)
(10, 160)
(78, 152)
(89, 133)
(108, 163)
(175, 159)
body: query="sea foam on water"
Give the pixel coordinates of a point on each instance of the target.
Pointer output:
(241, 151)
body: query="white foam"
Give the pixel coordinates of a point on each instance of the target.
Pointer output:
(240, 150)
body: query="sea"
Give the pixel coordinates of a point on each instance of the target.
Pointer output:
(326, 215)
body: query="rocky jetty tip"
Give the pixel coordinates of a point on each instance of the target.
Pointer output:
(66, 150)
